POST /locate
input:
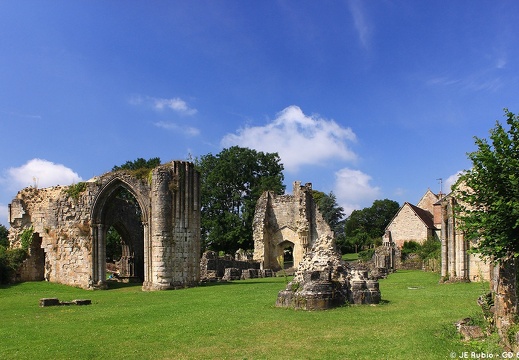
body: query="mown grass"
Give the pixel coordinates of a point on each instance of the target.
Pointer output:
(350, 257)
(237, 320)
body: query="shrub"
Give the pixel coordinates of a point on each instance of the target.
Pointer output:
(10, 261)
(430, 249)
(26, 238)
(366, 255)
(410, 247)
(74, 190)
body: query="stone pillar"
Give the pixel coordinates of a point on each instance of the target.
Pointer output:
(101, 260)
(452, 248)
(95, 256)
(161, 228)
(147, 256)
(444, 239)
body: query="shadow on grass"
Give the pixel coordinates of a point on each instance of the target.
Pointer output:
(114, 285)
(240, 282)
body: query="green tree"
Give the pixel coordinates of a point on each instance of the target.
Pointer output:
(140, 166)
(488, 193)
(330, 210)
(488, 207)
(231, 183)
(4, 241)
(366, 226)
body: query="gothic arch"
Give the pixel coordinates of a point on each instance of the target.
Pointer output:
(102, 219)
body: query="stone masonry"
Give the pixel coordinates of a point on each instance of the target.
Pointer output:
(323, 281)
(286, 221)
(68, 225)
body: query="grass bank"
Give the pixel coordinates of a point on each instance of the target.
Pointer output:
(234, 321)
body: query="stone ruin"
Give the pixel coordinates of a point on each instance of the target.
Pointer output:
(67, 228)
(224, 268)
(323, 281)
(286, 225)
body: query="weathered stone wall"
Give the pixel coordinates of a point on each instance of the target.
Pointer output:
(212, 266)
(73, 228)
(286, 220)
(456, 261)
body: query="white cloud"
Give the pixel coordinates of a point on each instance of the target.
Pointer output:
(299, 139)
(41, 173)
(160, 104)
(451, 180)
(3, 215)
(187, 130)
(175, 104)
(353, 189)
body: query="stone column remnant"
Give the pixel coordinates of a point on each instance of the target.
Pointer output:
(324, 281)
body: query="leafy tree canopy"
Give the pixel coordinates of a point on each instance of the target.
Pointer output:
(366, 226)
(372, 220)
(330, 210)
(4, 241)
(138, 164)
(231, 183)
(488, 193)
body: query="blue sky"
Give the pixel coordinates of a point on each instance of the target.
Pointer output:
(368, 99)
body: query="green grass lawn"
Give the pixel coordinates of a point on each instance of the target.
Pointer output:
(350, 257)
(237, 320)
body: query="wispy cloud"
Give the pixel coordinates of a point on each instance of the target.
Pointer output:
(3, 214)
(451, 180)
(186, 130)
(175, 104)
(299, 139)
(38, 172)
(160, 104)
(21, 115)
(353, 189)
(362, 26)
(485, 80)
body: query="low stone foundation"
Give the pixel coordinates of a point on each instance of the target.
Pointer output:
(214, 267)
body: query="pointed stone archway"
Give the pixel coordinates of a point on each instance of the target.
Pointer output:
(158, 217)
(121, 203)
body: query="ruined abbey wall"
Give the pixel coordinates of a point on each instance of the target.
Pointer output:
(282, 221)
(69, 223)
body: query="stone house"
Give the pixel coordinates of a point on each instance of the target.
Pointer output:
(414, 222)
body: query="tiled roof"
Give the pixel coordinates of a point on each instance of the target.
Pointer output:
(424, 215)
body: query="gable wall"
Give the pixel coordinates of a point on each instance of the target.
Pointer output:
(407, 226)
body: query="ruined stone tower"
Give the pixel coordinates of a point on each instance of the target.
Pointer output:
(68, 225)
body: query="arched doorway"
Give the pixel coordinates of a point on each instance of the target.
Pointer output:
(118, 235)
(286, 254)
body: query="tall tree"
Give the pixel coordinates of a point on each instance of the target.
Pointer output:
(367, 225)
(4, 241)
(330, 210)
(231, 183)
(488, 199)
